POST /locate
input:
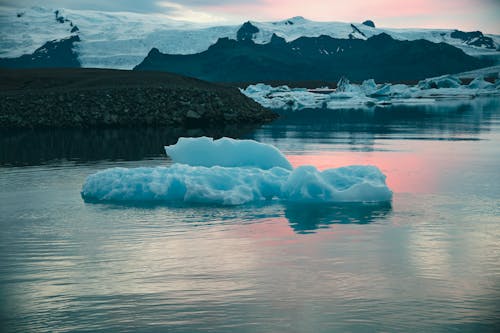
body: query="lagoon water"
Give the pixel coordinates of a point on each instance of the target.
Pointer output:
(429, 261)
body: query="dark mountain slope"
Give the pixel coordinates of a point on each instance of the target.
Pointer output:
(57, 53)
(316, 58)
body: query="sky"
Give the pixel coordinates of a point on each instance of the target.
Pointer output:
(481, 15)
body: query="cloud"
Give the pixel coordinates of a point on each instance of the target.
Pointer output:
(180, 12)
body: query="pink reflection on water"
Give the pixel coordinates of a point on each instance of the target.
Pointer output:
(406, 172)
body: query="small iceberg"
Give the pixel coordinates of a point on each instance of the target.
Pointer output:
(234, 172)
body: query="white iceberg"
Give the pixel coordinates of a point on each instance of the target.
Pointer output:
(241, 182)
(226, 152)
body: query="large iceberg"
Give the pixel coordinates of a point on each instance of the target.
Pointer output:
(259, 173)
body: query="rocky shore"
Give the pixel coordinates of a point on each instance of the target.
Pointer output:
(84, 98)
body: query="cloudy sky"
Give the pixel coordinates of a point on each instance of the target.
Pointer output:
(463, 14)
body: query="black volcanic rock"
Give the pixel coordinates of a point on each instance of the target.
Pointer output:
(86, 98)
(317, 58)
(474, 38)
(56, 53)
(369, 23)
(246, 31)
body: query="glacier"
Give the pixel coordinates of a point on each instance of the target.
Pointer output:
(121, 40)
(265, 178)
(369, 94)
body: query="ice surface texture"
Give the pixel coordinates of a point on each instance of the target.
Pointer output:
(259, 172)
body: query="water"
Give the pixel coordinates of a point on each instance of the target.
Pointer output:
(429, 261)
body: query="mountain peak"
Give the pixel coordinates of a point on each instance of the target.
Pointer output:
(293, 20)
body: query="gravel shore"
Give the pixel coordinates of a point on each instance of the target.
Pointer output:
(84, 98)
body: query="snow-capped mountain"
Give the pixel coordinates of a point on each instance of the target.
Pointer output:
(122, 40)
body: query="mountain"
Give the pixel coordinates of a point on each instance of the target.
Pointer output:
(316, 58)
(122, 40)
(56, 53)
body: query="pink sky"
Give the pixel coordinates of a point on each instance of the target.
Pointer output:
(463, 14)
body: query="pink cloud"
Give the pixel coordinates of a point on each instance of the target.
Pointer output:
(418, 13)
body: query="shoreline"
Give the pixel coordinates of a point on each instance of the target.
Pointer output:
(88, 98)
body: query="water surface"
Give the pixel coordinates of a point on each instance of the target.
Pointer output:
(429, 261)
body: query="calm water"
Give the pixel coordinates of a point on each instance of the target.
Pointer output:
(430, 261)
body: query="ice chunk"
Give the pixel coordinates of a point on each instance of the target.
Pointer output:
(445, 81)
(384, 90)
(369, 87)
(347, 184)
(226, 152)
(234, 186)
(480, 83)
(344, 86)
(236, 183)
(184, 183)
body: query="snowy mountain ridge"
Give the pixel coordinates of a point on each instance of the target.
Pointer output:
(121, 40)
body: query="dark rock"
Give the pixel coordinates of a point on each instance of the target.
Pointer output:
(369, 23)
(474, 38)
(246, 31)
(74, 29)
(277, 40)
(96, 98)
(56, 53)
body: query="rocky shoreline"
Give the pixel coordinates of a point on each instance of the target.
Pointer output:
(86, 98)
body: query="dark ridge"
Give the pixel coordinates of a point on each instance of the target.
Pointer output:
(277, 40)
(474, 38)
(320, 58)
(57, 53)
(85, 98)
(246, 31)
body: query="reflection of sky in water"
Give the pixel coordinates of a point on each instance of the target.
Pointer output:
(427, 262)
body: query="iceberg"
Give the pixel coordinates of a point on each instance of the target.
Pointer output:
(480, 83)
(369, 93)
(226, 152)
(204, 173)
(445, 81)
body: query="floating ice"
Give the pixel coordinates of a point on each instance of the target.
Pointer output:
(234, 185)
(445, 81)
(480, 83)
(226, 152)
(369, 94)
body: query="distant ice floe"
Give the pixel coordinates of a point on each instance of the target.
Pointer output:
(234, 172)
(368, 94)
